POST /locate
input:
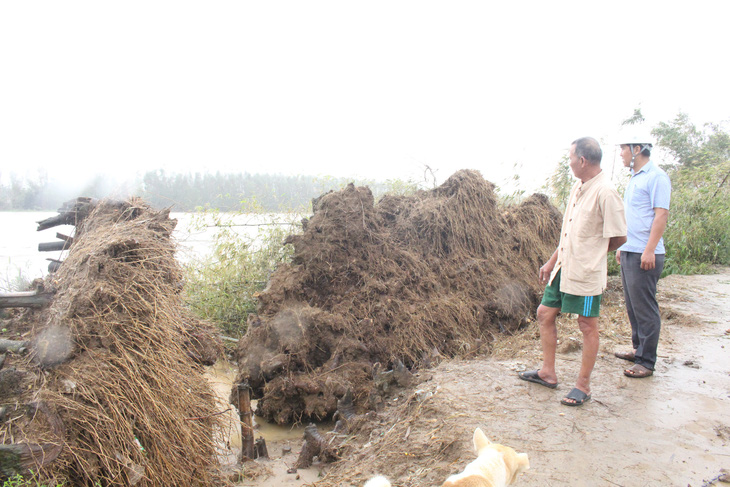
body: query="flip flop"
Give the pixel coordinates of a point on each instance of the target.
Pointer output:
(533, 376)
(576, 395)
(625, 356)
(638, 372)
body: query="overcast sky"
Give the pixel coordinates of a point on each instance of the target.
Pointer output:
(373, 89)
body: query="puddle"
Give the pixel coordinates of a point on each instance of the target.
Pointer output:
(221, 377)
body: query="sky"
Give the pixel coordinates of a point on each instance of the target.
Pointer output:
(376, 89)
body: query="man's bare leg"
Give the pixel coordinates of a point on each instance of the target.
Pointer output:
(546, 317)
(589, 328)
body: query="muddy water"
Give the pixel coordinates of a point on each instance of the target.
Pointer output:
(222, 376)
(283, 442)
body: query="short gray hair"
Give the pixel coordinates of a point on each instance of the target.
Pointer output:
(589, 148)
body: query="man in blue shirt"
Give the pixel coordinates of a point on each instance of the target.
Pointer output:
(646, 204)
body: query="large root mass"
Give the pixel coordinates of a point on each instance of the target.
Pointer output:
(440, 272)
(114, 362)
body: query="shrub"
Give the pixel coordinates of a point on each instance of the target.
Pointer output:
(698, 232)
(223, 287)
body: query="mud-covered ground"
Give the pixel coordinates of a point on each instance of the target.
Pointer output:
(669, 429)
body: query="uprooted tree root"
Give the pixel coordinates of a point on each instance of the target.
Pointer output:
(114, 357)
(438, 273)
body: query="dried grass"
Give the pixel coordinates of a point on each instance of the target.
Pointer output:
(135, 405)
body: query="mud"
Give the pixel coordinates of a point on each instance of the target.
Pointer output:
(669, 429)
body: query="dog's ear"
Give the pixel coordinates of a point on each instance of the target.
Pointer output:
(516, 463)
(523, 461)
(480, 440)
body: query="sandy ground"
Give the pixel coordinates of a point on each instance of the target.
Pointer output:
(671, 429)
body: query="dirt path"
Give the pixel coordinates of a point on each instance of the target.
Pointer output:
(669, 429)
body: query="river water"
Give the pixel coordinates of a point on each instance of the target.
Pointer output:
(20, 260)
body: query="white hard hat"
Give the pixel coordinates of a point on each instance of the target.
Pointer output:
(635, 135)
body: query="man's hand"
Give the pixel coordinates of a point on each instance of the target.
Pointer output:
(648, 261)
(618, 257)
(546, 270)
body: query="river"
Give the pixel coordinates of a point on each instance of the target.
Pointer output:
(20, 260)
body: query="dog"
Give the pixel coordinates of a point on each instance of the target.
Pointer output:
(495, 466)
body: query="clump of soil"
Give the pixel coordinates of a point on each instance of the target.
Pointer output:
(114, 363)
(438, 273)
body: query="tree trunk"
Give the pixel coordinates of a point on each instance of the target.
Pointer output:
(70, 213)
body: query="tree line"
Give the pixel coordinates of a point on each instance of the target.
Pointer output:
(185, 192)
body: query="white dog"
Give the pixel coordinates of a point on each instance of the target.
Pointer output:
(495, 466)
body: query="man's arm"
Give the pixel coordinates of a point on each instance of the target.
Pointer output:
(614, 222)
(661, 216)
(547, 269)
(616, 242)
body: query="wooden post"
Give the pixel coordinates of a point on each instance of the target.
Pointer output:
(31, 299)
(53, 246)
(261, 450)
(54, 265)
(68, 239)
(246, 416)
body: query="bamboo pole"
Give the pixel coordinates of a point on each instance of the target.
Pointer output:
(246, 416)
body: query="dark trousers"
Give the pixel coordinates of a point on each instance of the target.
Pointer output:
(641, 305)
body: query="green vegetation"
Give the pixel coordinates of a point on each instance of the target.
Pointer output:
(698, 233)
(15, 279)
(31, 481)
(18, 481)
(223, 287)
(560, 183)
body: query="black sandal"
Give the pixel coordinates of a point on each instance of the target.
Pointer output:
(533, 376)
(638, 372)
(630, 356)
(578, 397)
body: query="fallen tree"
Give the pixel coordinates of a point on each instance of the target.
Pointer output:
(114, 360)
(441, 272)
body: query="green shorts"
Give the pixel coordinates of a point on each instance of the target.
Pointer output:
(588, 306)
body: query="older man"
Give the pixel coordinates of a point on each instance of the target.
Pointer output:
(593, 225)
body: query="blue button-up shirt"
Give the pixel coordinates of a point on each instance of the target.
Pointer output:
(648, 188)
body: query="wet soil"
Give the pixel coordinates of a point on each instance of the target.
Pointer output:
(669, 429)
